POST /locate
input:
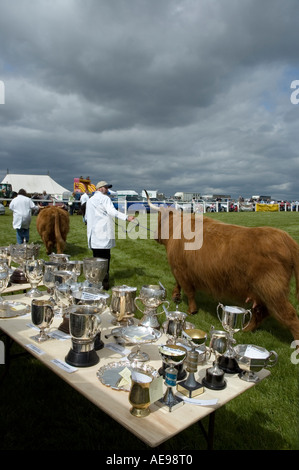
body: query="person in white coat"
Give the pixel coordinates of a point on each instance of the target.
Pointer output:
(22, 206)
(100, 224)
(83, 200)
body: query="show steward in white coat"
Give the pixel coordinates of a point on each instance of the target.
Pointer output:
(99, 215)
(21, 206)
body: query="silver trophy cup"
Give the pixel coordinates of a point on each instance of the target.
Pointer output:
(173, 354)
(48, 278)
(84, 325)
(60, 258)
(34, 273)
(233, 319)
(76, 266)
(91, 296)
(173, 357)
(122, 305)
(151, 296)
(214, 378)
(19, 254)
(42, 314)
(95, 270)
(252, 359)
(4, 280)
(174, 325)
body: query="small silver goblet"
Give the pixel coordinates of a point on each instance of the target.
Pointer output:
(42, 314)
(34, 271)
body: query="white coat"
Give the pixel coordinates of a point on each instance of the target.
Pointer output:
(21, 207)
(100, 223)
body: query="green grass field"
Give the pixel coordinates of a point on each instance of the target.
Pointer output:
(40, 412)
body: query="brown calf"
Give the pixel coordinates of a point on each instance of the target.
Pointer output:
(52, 224)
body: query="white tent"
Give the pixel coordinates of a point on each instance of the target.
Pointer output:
(34, 184)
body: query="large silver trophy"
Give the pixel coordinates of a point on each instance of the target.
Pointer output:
(122, 305)
(42, 314)
(95, 270)
(85, 323)
(151, 296)
(20, 254)
(233, 319)
(95, 298)
(252, 359)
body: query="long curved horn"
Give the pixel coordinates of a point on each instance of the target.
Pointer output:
(156, 208)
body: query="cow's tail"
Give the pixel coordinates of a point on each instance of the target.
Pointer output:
(151, 205)
(59, 239)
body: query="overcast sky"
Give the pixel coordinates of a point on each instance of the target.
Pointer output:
(173, 95)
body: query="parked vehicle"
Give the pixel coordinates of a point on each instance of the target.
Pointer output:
(6, 192)
(2, 209)
(136, 203)
(122, 203)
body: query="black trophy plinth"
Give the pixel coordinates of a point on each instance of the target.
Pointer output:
(18, 277)
(229, 364)
(82, 359)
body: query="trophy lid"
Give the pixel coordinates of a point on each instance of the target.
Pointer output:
(123, 288)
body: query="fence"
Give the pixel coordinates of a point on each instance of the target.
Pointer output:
(196, 207)
(202, 207)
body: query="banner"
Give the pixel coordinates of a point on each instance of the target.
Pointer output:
(267, 207)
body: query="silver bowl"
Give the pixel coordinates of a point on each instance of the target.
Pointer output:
(252, 359)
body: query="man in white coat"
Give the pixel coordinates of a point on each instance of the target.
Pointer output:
(22, 206)
(100, 224)
(83, 201)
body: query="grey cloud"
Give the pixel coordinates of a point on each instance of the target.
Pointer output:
(175, 95)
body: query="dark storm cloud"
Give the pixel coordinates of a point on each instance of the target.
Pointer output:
(170, 95)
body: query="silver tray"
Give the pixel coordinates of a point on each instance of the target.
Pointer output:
(109, 375)
(139, 334)
(14, 309)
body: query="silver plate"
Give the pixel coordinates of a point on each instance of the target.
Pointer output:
(109, 375)
(139, 334)
(14, 309)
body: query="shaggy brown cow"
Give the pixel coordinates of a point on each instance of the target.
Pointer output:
(52, 224)
(235, 263)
